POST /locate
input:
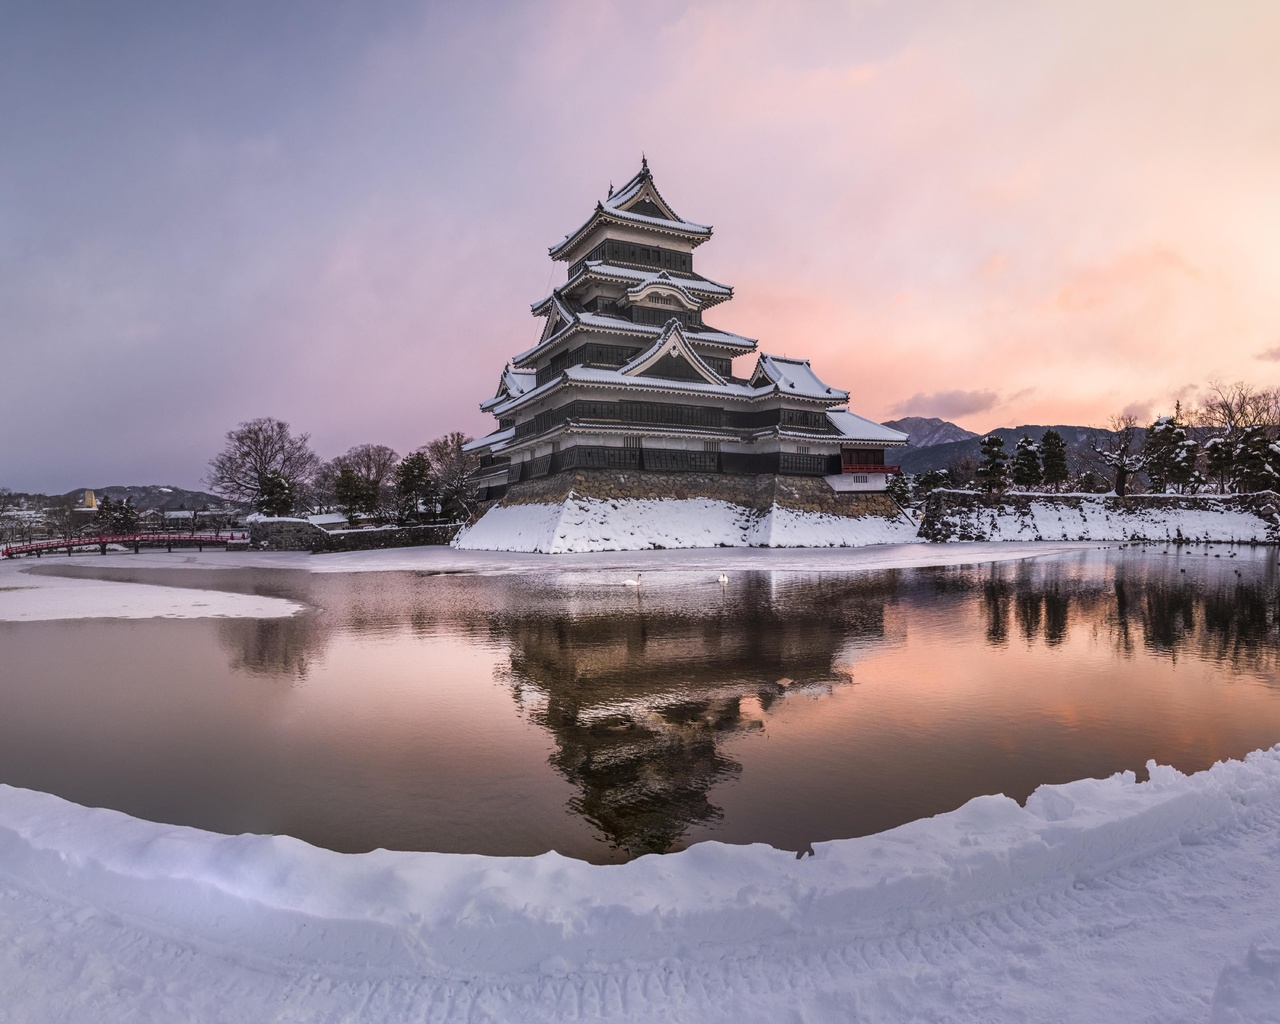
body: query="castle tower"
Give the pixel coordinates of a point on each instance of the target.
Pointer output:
(628, 374)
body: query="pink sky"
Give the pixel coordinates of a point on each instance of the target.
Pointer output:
(997, 213)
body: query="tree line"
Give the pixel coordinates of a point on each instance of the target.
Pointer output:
(1229, 444)
(265, 465)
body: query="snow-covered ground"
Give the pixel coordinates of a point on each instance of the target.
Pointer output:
(28, 597)
(1095, 517)
(635, 524)
(443, 559)
(1101, 900)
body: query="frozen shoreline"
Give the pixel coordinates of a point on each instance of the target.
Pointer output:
(444, 559)
(31, 597)
(1101, 900)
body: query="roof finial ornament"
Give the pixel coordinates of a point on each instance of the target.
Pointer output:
(610, 190)
(644, 163)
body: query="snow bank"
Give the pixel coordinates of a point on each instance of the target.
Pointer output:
(439, 558)
(952, 515)
(27, 597)
(636, 524)
(993, 911)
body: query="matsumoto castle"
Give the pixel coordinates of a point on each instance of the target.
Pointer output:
(628, 375)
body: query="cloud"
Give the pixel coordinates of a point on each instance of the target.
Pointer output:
(947, 404)
(1271, 355)
(1140, 411)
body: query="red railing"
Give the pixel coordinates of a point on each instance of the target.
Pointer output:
(855, 467)
(120, 538)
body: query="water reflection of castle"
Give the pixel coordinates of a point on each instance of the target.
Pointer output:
(640, 692)
(640, 703)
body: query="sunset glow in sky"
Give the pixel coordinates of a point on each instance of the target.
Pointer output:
(338, 214)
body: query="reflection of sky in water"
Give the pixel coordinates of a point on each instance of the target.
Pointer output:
(518, 713)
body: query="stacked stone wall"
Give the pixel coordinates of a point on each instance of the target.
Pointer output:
(283, 534)
(371, 540)
(756, 491)
(300, 535)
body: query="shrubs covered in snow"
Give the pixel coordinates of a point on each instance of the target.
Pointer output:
(964, 515)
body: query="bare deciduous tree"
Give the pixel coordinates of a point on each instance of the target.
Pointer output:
(1119, 450)
(374, 465)
(261, 454)
(451, 467)
(1233, 408)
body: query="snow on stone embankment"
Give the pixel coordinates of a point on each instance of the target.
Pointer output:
(965, 515)
(593, 524)
(1100, 900)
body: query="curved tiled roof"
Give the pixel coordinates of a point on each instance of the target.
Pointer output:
(796, 377)
(613, 209)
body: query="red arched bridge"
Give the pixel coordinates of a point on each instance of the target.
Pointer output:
(134, 540)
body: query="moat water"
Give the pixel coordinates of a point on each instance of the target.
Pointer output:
(557, 709)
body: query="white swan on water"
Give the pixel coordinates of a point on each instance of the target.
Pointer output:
(723, 579)
(632, 583)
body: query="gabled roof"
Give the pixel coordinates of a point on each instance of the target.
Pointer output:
(512, 384)
(671, 344)
(497, 437)
(855, 428)
(664, 280)
(794, 377)
(641, 191)
(624, 206)
(617, 325)
(707, 290)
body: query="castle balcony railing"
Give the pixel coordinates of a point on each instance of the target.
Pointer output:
(867, 467)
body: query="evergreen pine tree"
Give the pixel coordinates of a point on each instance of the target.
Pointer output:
(1219, 459)
(350, 492)
(126, 519)
(929, 480)
(106, 515)
(1158, 451)
(1091, 483)
(275, 495)
(991, 470)
(1053, 459)
(1026, 464)
(416, 494)
(897, 488)
(1255, 461)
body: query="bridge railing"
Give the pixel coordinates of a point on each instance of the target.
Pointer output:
(219, 537)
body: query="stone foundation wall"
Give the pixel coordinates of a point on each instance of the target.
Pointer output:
(371, 540)
(299, 535)
(283, 535)
(759, 491)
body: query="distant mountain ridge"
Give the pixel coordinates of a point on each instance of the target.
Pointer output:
(158, 496)
(927, 431)
(917, 459)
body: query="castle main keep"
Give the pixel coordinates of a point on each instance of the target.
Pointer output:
(628, 375)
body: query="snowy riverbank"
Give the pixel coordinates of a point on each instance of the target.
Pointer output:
(593, 524)
(31, 597)
(1101, 900)
(969, 516)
